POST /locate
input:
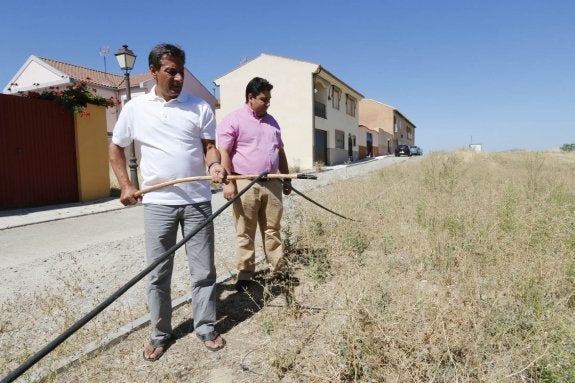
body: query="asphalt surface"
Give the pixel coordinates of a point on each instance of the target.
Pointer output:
(33, 242)
(35, 233)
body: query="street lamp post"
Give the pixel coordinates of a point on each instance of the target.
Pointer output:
(126, 59)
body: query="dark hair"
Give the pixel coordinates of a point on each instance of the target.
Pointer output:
(256, 86)
(159, 51)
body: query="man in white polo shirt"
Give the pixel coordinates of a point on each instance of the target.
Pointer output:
(176, 134)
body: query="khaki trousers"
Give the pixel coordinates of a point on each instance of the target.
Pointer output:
(261, 204)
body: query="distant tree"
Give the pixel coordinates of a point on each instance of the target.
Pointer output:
(568, 148)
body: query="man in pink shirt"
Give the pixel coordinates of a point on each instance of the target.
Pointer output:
(249, 140)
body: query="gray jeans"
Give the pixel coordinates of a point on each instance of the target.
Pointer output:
(161, 227)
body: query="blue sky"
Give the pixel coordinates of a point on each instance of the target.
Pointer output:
(500, 73)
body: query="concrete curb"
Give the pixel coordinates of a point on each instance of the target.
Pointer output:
(116, 337)
(10, 219)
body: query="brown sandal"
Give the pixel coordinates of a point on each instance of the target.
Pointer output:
(217, 346)
(157, 351)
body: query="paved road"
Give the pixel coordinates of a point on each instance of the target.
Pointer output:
(32, 233)
(35, 242)
(107, 247)
(55, 233)
(119, 231)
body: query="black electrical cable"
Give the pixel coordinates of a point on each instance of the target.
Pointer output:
(80, 323)
(288, 184)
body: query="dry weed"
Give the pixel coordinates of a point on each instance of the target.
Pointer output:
(459, 268)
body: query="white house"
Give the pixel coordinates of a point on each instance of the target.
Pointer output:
(39, 74)
(317, 112)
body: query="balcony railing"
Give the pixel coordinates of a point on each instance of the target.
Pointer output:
(319, 109)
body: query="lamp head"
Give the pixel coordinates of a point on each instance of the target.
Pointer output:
(126, 58)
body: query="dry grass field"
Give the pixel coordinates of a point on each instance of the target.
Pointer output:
(460, 267)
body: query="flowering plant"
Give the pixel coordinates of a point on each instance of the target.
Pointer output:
(75, 98)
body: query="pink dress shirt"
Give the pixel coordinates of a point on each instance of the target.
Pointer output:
(254, 141)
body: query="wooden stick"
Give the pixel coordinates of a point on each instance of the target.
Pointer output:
(230, 177)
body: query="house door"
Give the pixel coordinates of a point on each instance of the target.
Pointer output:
(369, 141)
(37, 153)
(320, 146)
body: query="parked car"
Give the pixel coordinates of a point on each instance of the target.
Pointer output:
(415, 150)
(402, 150)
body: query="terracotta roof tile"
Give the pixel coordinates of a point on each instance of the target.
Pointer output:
(138, 78)
(95, 77)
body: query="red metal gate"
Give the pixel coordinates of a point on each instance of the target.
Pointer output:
(37, 153)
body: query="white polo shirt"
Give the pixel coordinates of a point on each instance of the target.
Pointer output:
(169, 134)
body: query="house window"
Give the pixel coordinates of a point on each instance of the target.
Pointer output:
(319, 109)
(339, 139)
(350, 104)
(395, 127)
(336, 97)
